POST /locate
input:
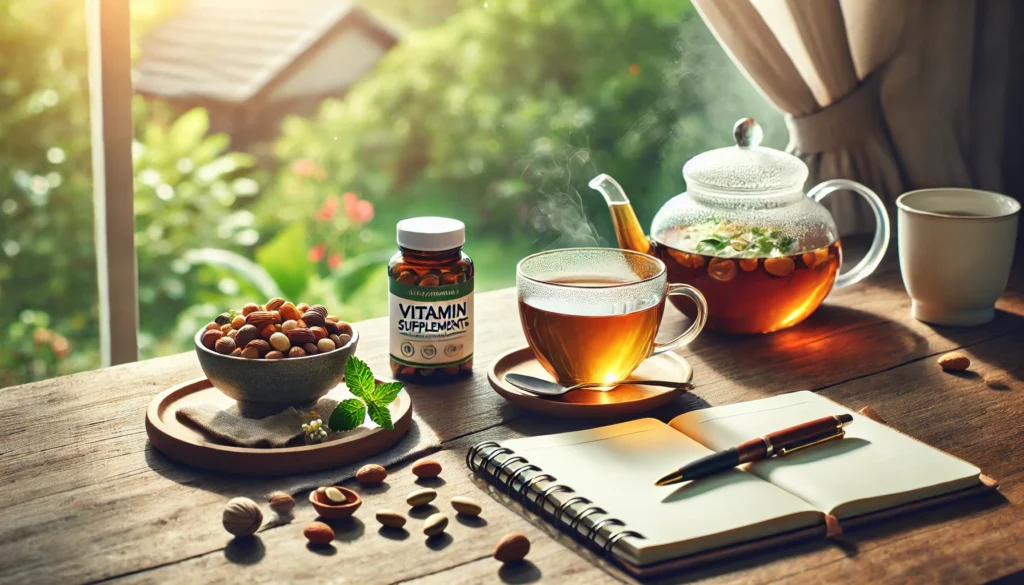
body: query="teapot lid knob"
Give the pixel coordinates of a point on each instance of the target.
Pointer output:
(747, 132)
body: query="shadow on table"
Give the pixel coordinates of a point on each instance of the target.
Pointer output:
(245, 550)
(519, 572)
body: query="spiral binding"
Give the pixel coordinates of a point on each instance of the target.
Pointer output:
(516, 468)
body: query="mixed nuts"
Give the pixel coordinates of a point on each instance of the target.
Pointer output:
(277, 330)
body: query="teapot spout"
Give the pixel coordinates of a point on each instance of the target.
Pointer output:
(627, 226)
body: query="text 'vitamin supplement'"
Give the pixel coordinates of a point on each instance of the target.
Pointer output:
(431, 301)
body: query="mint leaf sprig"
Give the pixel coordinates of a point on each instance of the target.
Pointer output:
(370, 397)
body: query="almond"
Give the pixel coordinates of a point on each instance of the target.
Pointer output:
(954, 362)
(300, 336)
(260, 319)
(318, 533)
(274, 304)
(513, 547)
(371, 474)
(426, 468)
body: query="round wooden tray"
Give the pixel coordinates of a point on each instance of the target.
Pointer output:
(624, 400)
(183, 442)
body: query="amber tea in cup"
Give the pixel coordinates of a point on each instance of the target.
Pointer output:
(592, 314)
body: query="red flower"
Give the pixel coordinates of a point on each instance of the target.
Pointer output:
(329, 209)
(334, 261)
(316, 253)
(358, 211)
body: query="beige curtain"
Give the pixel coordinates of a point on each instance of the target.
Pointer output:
(896, 94)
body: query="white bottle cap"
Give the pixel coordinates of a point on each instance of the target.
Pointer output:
(431, 234)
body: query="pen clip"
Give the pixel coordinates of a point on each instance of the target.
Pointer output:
(839, 435)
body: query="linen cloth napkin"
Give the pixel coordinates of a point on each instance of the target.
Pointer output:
(228, 425)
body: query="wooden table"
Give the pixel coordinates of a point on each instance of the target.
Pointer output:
(86, 499)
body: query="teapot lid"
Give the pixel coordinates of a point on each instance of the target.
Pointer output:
(746, 168)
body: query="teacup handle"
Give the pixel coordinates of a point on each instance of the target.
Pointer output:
(874, 256)
(698, 322)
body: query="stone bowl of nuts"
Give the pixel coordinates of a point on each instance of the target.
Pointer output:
(274, 356)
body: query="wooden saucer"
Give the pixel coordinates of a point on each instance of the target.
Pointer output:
(185, 443)
(624, 400)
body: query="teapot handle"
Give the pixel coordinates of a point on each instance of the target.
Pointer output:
(878, 246)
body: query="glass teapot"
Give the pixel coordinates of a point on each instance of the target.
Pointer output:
(763, 253)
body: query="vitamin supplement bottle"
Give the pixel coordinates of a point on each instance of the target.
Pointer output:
(430, 282)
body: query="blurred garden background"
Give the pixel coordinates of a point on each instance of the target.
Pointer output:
(495, 112)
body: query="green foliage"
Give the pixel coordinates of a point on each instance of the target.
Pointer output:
(377, 397)
(497, 115)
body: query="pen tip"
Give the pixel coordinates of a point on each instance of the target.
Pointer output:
(669, 479)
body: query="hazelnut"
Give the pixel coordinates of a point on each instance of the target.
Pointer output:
(249, 308)
(302, 307)
(296, 352)
(250, 353)
(331, 327)
(260, 345)
(242, 517)
(310, 348)
(344, 329)
(237, 322)
(225, 328)
(212, 326)
(318, 332)
(232, 333)
(288, 326)
(274, 304)
(225, 345)
(343, 340)
(281, 502)
(237, 352)
(274, 355)
(209, 339)
(325, 345)
(279, 341)
(332, 318)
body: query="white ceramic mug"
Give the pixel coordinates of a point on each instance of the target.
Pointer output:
(956, 247)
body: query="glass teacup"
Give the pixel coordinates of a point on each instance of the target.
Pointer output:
(592, 314)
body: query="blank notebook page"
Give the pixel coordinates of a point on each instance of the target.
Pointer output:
(873, 468)
(616, 467)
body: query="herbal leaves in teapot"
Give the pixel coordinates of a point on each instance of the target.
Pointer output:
(735, 239)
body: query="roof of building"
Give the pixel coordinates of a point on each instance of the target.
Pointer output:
(233, 50)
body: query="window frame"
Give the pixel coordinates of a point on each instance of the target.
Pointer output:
(110, 107)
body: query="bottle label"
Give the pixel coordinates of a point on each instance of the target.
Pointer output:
(431, 326)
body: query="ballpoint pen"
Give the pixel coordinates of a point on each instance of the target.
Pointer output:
(778, 443)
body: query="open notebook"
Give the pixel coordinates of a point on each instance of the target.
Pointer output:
(605, 493)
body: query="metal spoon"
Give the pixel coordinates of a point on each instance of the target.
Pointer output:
(546, 389)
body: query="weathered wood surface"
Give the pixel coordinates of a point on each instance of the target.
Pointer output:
(86, 499)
